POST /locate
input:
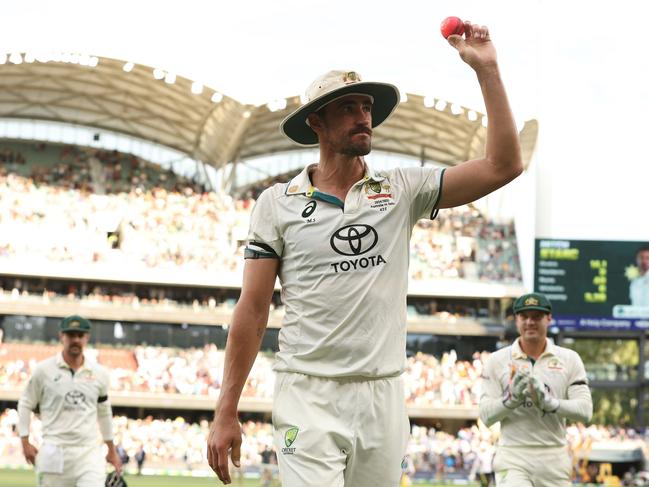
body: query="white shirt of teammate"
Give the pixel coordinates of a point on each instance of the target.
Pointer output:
(561, 370)
(639, 290)
(69, 403)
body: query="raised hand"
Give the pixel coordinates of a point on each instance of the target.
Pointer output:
(475, 48)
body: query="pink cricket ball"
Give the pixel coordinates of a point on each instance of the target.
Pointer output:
(452, 25)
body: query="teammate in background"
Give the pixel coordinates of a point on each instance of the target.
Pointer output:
(407, 472)
(71, 394)
(122, 454)
(532, 387)
(639, 287)
(140, 456)
(482, 468)
(338, 237)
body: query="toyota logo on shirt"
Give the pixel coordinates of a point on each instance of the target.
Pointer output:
(75, 397)
(354, 239)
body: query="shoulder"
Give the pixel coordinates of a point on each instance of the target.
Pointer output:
(567, 354)
(44, 365)
(408, 173)
(272, 193)
(99, 370)
(499, 356)
(277, 190)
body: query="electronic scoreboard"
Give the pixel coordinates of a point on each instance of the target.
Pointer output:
(590, 282)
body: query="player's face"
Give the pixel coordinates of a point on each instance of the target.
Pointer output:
(643, 261)
(533, 324)
(74, 342)
(346, 126)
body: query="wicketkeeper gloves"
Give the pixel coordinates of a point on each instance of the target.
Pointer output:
(542, 397)
(515, 391)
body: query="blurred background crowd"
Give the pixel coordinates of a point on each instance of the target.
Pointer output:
(95, 207)
(429, 380)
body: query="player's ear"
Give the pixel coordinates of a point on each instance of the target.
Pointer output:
(315, 121)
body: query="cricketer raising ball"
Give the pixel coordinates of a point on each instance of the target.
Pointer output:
(452, 25)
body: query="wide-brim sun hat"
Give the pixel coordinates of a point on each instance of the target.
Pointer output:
(332, 86)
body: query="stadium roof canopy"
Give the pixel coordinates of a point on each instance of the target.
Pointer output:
(208, 126)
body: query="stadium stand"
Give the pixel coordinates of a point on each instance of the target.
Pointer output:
(429, 381)
(134, 221)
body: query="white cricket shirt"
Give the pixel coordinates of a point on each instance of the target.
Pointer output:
(639, 291)
(560, 369)
(68, 402)
(344, 268)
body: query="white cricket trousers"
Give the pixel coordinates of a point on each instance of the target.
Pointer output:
(83, 466)
(542, 466)
(339, 432)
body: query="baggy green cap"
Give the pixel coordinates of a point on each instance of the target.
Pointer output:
(75, 323)
(536, 301)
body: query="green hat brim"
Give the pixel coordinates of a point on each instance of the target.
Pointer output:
(526, 308)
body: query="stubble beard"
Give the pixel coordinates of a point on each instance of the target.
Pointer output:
(357, 149)
(75, 351)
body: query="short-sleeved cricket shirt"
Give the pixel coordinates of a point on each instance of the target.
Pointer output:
(344, 268)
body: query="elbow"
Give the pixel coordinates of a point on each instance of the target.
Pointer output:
(24, 406)
(506, 169)
(513, 168)
(488, 419)
(105, 412)
(582, 413)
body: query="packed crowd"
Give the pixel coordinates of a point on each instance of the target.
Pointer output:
(432, 452)
(88, 169)
(432, 381)
(103, 207)
(153, 229)
(429, 381)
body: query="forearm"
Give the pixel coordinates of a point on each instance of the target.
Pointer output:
(244, 339)
(492, 410)
(24, 419)
(502, 146)
(105, 419)
(579, 407)
(111, 447)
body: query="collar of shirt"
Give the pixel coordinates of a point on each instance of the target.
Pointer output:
(301, 184)
(517, 352)
(64, 365)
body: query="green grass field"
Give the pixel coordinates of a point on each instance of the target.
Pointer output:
(27, 478)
